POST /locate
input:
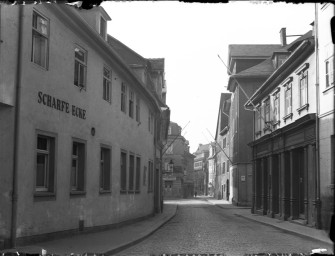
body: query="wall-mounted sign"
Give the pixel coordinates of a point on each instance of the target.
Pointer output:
(242, 178)
(61, 105)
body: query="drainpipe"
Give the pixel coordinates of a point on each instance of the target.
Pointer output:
(317, 132)
(16, 129)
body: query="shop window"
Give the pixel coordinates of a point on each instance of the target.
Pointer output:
(40, 40)
(123, 170)
(45, 164)
(78, 167)
(80, 66)
(105, 169)
(107, 85)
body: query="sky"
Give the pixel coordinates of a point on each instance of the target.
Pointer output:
(190, 37)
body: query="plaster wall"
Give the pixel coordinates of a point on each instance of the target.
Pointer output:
(113, 128)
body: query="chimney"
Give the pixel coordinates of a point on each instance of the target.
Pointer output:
(283, 36)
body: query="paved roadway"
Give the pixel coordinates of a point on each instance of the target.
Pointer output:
(200, 227)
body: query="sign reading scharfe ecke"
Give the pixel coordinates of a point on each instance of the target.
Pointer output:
(60, 105)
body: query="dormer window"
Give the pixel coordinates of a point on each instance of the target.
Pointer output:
(103, 28)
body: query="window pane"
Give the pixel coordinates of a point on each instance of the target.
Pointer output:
(42, 143)
(76, 72)
(75, 149)
(79, 54)
(81, 75)
(41, 175)
(74, 173)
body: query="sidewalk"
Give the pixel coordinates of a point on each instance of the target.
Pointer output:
(296, 229)
(109, 242)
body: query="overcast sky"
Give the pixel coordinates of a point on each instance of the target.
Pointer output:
(190, 36)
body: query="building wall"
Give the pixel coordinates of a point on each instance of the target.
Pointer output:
(113, 128)
(326, 53)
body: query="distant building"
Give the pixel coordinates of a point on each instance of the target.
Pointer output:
(201, 169)
(222, 160)
(249, 67)
(211, 169)
(83, 133)
(178, 165)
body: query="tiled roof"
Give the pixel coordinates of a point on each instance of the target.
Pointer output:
(130, 57)
(202, 148)
(252, 50)
(264, 68)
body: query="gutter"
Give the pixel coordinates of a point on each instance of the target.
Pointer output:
(16, 129)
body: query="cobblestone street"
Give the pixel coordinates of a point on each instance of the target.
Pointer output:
(200, 227)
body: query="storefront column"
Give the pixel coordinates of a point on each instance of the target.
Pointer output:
(306, 169)
(262, 205)
(254, 175)
(283, 188)
(293, 198)
(270, 186)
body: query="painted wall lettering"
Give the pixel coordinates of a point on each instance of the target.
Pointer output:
(60, 105)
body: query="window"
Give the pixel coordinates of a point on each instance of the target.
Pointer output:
(223, 167)
(170, 130)
(303, 84)
(123, 169)
(144, 176)
(78, 166)
(107, 85)
(138, 174)
(131, 173)
(138, 109)
(288, 99)
(267, 110)
(227, 165)
(123, 97)
(103, 27)
(150, 122)
(131, 104)
(276, 107)
(80, 67)
(150, 176)
(105, 164)
(45, 164)
(329, 72)
(40, 40)
(258, 127)
(224, 142)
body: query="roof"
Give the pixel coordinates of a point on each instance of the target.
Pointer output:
(202, 148)
(252, 50)
(130, 57)
(264, 68)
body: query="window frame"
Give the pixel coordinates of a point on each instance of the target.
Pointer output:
(123, 171)
(105, 170)
(50, 180)
(36, 33)
(107, 83)
(123, 97)
(303, 81)
(103, 29)
(138, 174)
(80, 174)
(80, 63)
(131, 173)
(131, 103)
(288, 98)
(138, 109)
(329, 72)
(276, 107)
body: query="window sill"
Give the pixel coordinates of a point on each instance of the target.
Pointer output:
(328, 89)
(81, 88)
(123, 192)
(276, 124)
(289, 116)
(303, 108)
(137, 192)
(44, 195)
(105, 192)
(77, 193)
(39, 66)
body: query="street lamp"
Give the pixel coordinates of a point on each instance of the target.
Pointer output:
(170, 166)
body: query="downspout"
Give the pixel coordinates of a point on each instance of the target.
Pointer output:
(317, 132)
(16, 129)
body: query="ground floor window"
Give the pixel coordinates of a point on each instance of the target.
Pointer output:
(78, 166)
(45, 164)
(123, 170)
(138, 174)
(105, 172)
